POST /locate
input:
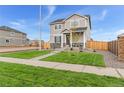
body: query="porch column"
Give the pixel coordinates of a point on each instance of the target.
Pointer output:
(84, 40)
(61, 40)
(65, 38)
(71, 39)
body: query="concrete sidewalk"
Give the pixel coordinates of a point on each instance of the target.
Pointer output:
(107, 71)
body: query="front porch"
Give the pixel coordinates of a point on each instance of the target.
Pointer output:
(73, 39)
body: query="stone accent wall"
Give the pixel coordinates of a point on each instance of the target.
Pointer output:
(121, 48)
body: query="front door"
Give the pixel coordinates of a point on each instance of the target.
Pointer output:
(67, 39)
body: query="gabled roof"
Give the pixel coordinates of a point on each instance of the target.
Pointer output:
(76, 15)
(65, 31)
(57, 21)
(6, 28)
(63, 20)
(85, 16)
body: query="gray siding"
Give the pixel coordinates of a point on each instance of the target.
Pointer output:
(9, 38)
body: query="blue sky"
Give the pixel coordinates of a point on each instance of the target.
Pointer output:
(107, 21)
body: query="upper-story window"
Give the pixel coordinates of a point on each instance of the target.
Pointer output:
(55, 26)
(84, 23)
(58, 26)
(74, 23)
(12, 34)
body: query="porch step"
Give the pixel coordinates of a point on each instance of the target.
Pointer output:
(67, 47)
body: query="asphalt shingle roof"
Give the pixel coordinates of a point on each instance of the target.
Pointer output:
(6, 28)
(58, 20)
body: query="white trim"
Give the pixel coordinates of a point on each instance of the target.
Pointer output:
(61, 40)
(65, 38)
(71, 39)
(83, 16)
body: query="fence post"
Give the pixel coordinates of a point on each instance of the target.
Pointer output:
(121, 48)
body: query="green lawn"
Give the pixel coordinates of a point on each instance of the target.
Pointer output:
(25, 54)
(77, 58)
(17, 75)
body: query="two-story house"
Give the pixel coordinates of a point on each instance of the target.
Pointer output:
(73, 31)
(12, 37)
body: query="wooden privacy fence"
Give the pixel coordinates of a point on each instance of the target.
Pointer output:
(116, 46)
(121, 48)
(97, 45)
(46, 45)
(113, 47)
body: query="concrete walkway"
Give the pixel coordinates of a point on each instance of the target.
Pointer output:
(44, 56)
(108, 71)
(47, 55)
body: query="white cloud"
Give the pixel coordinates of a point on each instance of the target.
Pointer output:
(101, 35)
(107, 36)
(103, 15)
(120, 32)
(100, 16)
(51, 9)
(15, 23)
(97, 30)
(18, 24)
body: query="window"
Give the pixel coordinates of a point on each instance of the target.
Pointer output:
(7, 41)
(57, 39)
(12, 34)
(74, 23)
(55, 26)
(58, 26)
(84, 23)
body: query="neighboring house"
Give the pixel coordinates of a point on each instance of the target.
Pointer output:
(73, 31)
(120, 35)
(12, 37)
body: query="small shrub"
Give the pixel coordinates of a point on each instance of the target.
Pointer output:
(94, 50)
(71, 49)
